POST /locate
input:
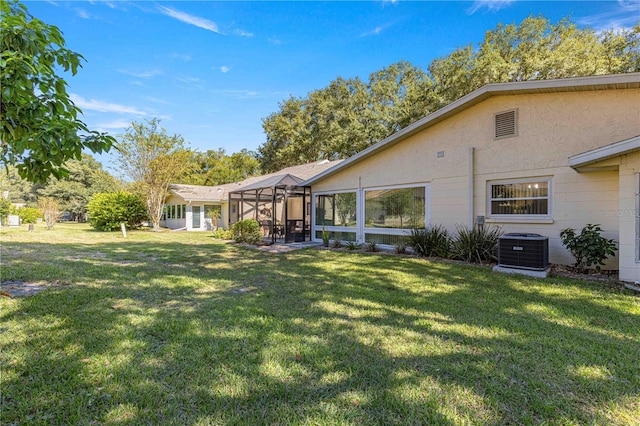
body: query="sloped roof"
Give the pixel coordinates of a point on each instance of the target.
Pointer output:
(576, 84)
(219, 193)
(270, 182)
(581, 162)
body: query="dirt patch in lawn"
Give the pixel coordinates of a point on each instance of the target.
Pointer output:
(19, 288)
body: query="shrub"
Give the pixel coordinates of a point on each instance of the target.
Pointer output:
(371, 247)
(588, 248)
(108, 209)
(337, 244)
(247, 231)
(223, 234)
(434, 241)
(352, 245)
(29, 214)
(479, 244)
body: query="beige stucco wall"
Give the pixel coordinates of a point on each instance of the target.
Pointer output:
(551, 128)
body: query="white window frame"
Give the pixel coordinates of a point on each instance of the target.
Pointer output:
(395, 231)
(317, 228)
(522, 218)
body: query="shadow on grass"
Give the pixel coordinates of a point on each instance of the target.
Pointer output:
(218, 334)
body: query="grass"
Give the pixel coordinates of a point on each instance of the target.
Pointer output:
(178, 328)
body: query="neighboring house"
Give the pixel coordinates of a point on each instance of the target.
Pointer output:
(533, 156)
(188, 206)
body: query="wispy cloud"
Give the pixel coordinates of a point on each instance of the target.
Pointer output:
(188, 80)
(190, 19)
(237, 94)
(224, 69)
(492, 5)
(181, 56)
(377, 30)
(141, 73)
(242, 33)
(83, 14)
(101, 106)
(623, 16)
(275, 40)
(113, 125)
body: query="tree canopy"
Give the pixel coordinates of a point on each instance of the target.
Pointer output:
(39, 125)
(215, 167)
(350, 115)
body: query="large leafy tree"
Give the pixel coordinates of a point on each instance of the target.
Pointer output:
(350, 115)
(345, 117)
(535, 49)
(215, 167)
(151, 160)
(40, 129)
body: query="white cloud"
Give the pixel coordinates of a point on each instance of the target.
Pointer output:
(242, 33)
(492, 5)
(237, 94)
(113, 125)
(624, 16)
(141, 73)
(225, 69)
(377, 30)
(189, 80)
(101, 106)
(191, 19)
(83, 14)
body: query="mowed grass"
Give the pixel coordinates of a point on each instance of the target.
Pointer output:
(178, 328)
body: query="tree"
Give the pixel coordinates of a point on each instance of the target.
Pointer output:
(535, 49)
(50, 210)
(39, 125)
(217, 168)
(152, 160)
(345, 117)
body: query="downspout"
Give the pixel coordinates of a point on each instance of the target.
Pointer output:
(471, 188)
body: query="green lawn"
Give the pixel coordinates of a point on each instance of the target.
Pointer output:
(178, 328)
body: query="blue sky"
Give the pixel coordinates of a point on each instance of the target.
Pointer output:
(212, 70)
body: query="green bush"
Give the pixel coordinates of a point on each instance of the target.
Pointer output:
(108, 209)
(479, 244)
(352, 245)
(434, 241)
(247, 231)
(29, 214)
(223, 234)
(588, 248)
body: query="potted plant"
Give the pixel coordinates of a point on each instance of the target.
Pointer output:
(326, 235)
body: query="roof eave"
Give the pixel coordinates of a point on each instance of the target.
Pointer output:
(580, 162)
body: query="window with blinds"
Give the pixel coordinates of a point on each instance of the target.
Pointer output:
(506, 124)
(523, 198)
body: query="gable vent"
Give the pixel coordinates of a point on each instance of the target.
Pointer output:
(505, 124)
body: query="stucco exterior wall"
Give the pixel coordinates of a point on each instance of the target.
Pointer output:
(551, 128)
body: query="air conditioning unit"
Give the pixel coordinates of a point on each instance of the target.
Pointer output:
(523, 251)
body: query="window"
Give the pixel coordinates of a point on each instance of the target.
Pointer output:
(336, 209)
(529, 197)
(399, 208)
(506, 124)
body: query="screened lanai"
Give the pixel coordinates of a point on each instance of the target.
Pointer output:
(279, 204)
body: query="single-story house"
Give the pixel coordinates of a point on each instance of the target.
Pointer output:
(274, 198)
(531, 157)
